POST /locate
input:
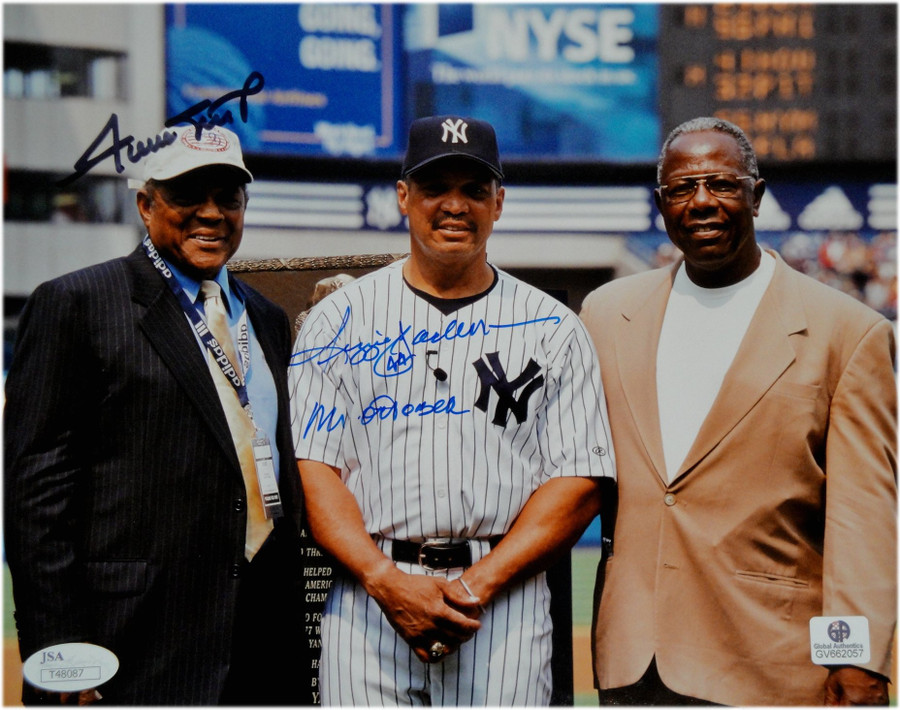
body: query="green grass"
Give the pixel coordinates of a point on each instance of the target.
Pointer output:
(9, 625)
(583, 700)
(584, 572)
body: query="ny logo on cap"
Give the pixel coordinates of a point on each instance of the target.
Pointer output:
(458, 130)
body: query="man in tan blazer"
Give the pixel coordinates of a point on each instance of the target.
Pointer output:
(753, 418)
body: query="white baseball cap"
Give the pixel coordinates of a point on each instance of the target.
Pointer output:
(188, 151)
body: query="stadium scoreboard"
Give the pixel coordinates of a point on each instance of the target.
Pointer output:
(808, 83)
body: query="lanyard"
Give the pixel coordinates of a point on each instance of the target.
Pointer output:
(203, 332)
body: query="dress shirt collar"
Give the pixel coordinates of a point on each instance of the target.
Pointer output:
(192, 287)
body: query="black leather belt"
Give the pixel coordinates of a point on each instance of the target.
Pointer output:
(436, 554)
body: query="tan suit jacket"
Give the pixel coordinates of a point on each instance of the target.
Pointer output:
(784, 509)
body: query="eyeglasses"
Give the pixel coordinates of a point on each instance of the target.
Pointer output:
(723, 185)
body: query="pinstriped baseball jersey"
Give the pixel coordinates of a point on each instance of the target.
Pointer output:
(522, 403)
(443, 425)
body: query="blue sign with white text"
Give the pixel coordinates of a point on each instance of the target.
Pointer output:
(330, 73)
(557, 81)
(570, 82)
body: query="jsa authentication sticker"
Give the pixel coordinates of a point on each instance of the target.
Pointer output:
(70, 667)
(839, 640)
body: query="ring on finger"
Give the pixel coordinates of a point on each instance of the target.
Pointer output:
(437, 650)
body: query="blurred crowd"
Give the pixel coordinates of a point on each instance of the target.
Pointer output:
(863, 268)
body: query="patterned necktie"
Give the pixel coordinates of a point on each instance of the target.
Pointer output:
(239, 422)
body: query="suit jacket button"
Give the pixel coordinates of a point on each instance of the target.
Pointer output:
(238, 505)
(236, 570)
(669, 499)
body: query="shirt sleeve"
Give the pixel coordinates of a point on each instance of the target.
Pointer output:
(318, 409)
(575, 436)
(48, 435)
(860, 574)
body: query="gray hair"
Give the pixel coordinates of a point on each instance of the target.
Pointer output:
(709, 123)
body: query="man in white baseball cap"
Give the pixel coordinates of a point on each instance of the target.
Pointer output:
(194, 171)
(146, 415)
(187, 148)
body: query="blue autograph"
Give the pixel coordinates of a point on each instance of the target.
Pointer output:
(392, 355)
(386, 407)
(321, 420)
(136, 152)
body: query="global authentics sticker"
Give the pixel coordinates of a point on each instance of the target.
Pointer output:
(839, 640)
(70, 667)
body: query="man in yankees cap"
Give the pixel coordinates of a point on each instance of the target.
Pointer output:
(146, 405)
(451, 432)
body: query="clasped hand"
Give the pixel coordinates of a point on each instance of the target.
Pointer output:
(425, 610)
(849, 685)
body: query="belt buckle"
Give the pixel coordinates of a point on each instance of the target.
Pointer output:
(436, 545)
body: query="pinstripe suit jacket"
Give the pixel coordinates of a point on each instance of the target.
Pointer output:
(124, 496)
(783, 509)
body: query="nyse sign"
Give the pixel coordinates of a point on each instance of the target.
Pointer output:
(570, 81)
(577, 35)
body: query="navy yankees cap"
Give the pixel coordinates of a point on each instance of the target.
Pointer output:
(437, 137)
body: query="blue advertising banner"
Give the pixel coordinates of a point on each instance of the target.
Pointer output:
(558, 81)
(329, 72)
(571, 82)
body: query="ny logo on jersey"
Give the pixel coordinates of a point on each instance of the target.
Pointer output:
(457, 130)
(494, 377)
